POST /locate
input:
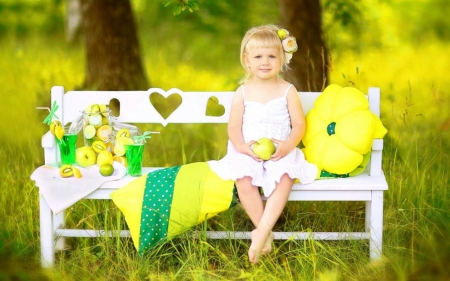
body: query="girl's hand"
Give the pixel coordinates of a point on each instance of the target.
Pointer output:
(283, 149)
(246, 149)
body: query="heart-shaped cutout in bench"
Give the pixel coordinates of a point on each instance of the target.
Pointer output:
(165, 106)
(214, 108)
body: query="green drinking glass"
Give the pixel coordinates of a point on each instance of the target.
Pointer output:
(67, 146)
(134, 154)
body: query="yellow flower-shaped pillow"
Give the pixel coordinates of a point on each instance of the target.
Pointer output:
(340, 130)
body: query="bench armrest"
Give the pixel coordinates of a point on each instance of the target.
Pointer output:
(50, 148)
(376, 157)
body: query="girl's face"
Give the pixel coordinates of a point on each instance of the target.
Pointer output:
(264, 63)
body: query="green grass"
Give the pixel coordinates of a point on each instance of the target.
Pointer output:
(416, 161)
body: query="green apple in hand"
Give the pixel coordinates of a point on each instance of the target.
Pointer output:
(264, 148)
(85, 156)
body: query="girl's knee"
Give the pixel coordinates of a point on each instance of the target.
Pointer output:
(286, 177)
(245, 183)
(285, 180)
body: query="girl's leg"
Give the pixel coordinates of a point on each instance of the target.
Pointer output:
(272, 211)
(253, 205)
(250, 199)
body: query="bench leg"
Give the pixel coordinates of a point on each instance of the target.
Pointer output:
(47, 234)
(59, 222)
(374, 224)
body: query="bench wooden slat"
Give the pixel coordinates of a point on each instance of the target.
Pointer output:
(224, 234)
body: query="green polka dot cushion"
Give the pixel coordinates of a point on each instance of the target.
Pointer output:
(340, 130)
(167, 202)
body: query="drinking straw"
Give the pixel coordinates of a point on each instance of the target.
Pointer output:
(143, 137)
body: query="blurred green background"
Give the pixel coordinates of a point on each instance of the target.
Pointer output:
(400, 46)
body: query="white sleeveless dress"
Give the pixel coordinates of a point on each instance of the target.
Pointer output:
(270, 120)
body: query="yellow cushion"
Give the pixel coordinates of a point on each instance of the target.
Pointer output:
(165, 203)
(340, 129)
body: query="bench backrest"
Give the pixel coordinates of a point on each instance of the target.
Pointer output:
(135, 106)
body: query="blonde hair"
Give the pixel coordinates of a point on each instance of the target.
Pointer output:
(264, 36)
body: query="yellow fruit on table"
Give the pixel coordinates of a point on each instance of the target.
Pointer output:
(95, 120)
(91, 141)
(76, 173)
(89, 132)
(106, 170)
(53, 125)
(103, 110)
(119, 148)
(105, 120)
(85, 156)
(99, 146)
(59, 132)
(123, 133)
(109, 145)
(104, 157)
(95, 108)
(120, 159)
(103, 132)
(92, 108)
(66, 171)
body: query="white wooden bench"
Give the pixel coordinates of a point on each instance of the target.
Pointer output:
(136, 108)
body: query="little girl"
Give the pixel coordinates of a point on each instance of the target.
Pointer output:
(265, 106)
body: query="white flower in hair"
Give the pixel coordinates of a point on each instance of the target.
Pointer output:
(288, 57)
(289, 44)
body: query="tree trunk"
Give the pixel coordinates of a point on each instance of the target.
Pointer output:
(73, 20)
(303, 19)
(113, 58)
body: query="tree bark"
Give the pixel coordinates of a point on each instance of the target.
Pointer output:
(73, 20)
(113, 57)
(309, 65)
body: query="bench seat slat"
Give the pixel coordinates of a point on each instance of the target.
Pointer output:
(361, 182)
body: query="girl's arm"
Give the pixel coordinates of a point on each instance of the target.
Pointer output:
(298, 125)
(235, 126)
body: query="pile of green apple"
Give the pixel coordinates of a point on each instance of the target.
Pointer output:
(99, 154)
(86, 157)
(97, 132)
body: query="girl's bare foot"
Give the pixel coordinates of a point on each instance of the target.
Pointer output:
(268, 244)
(258, 241)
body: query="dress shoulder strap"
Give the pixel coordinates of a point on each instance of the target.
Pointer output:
(287, 90)
(243, 91)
